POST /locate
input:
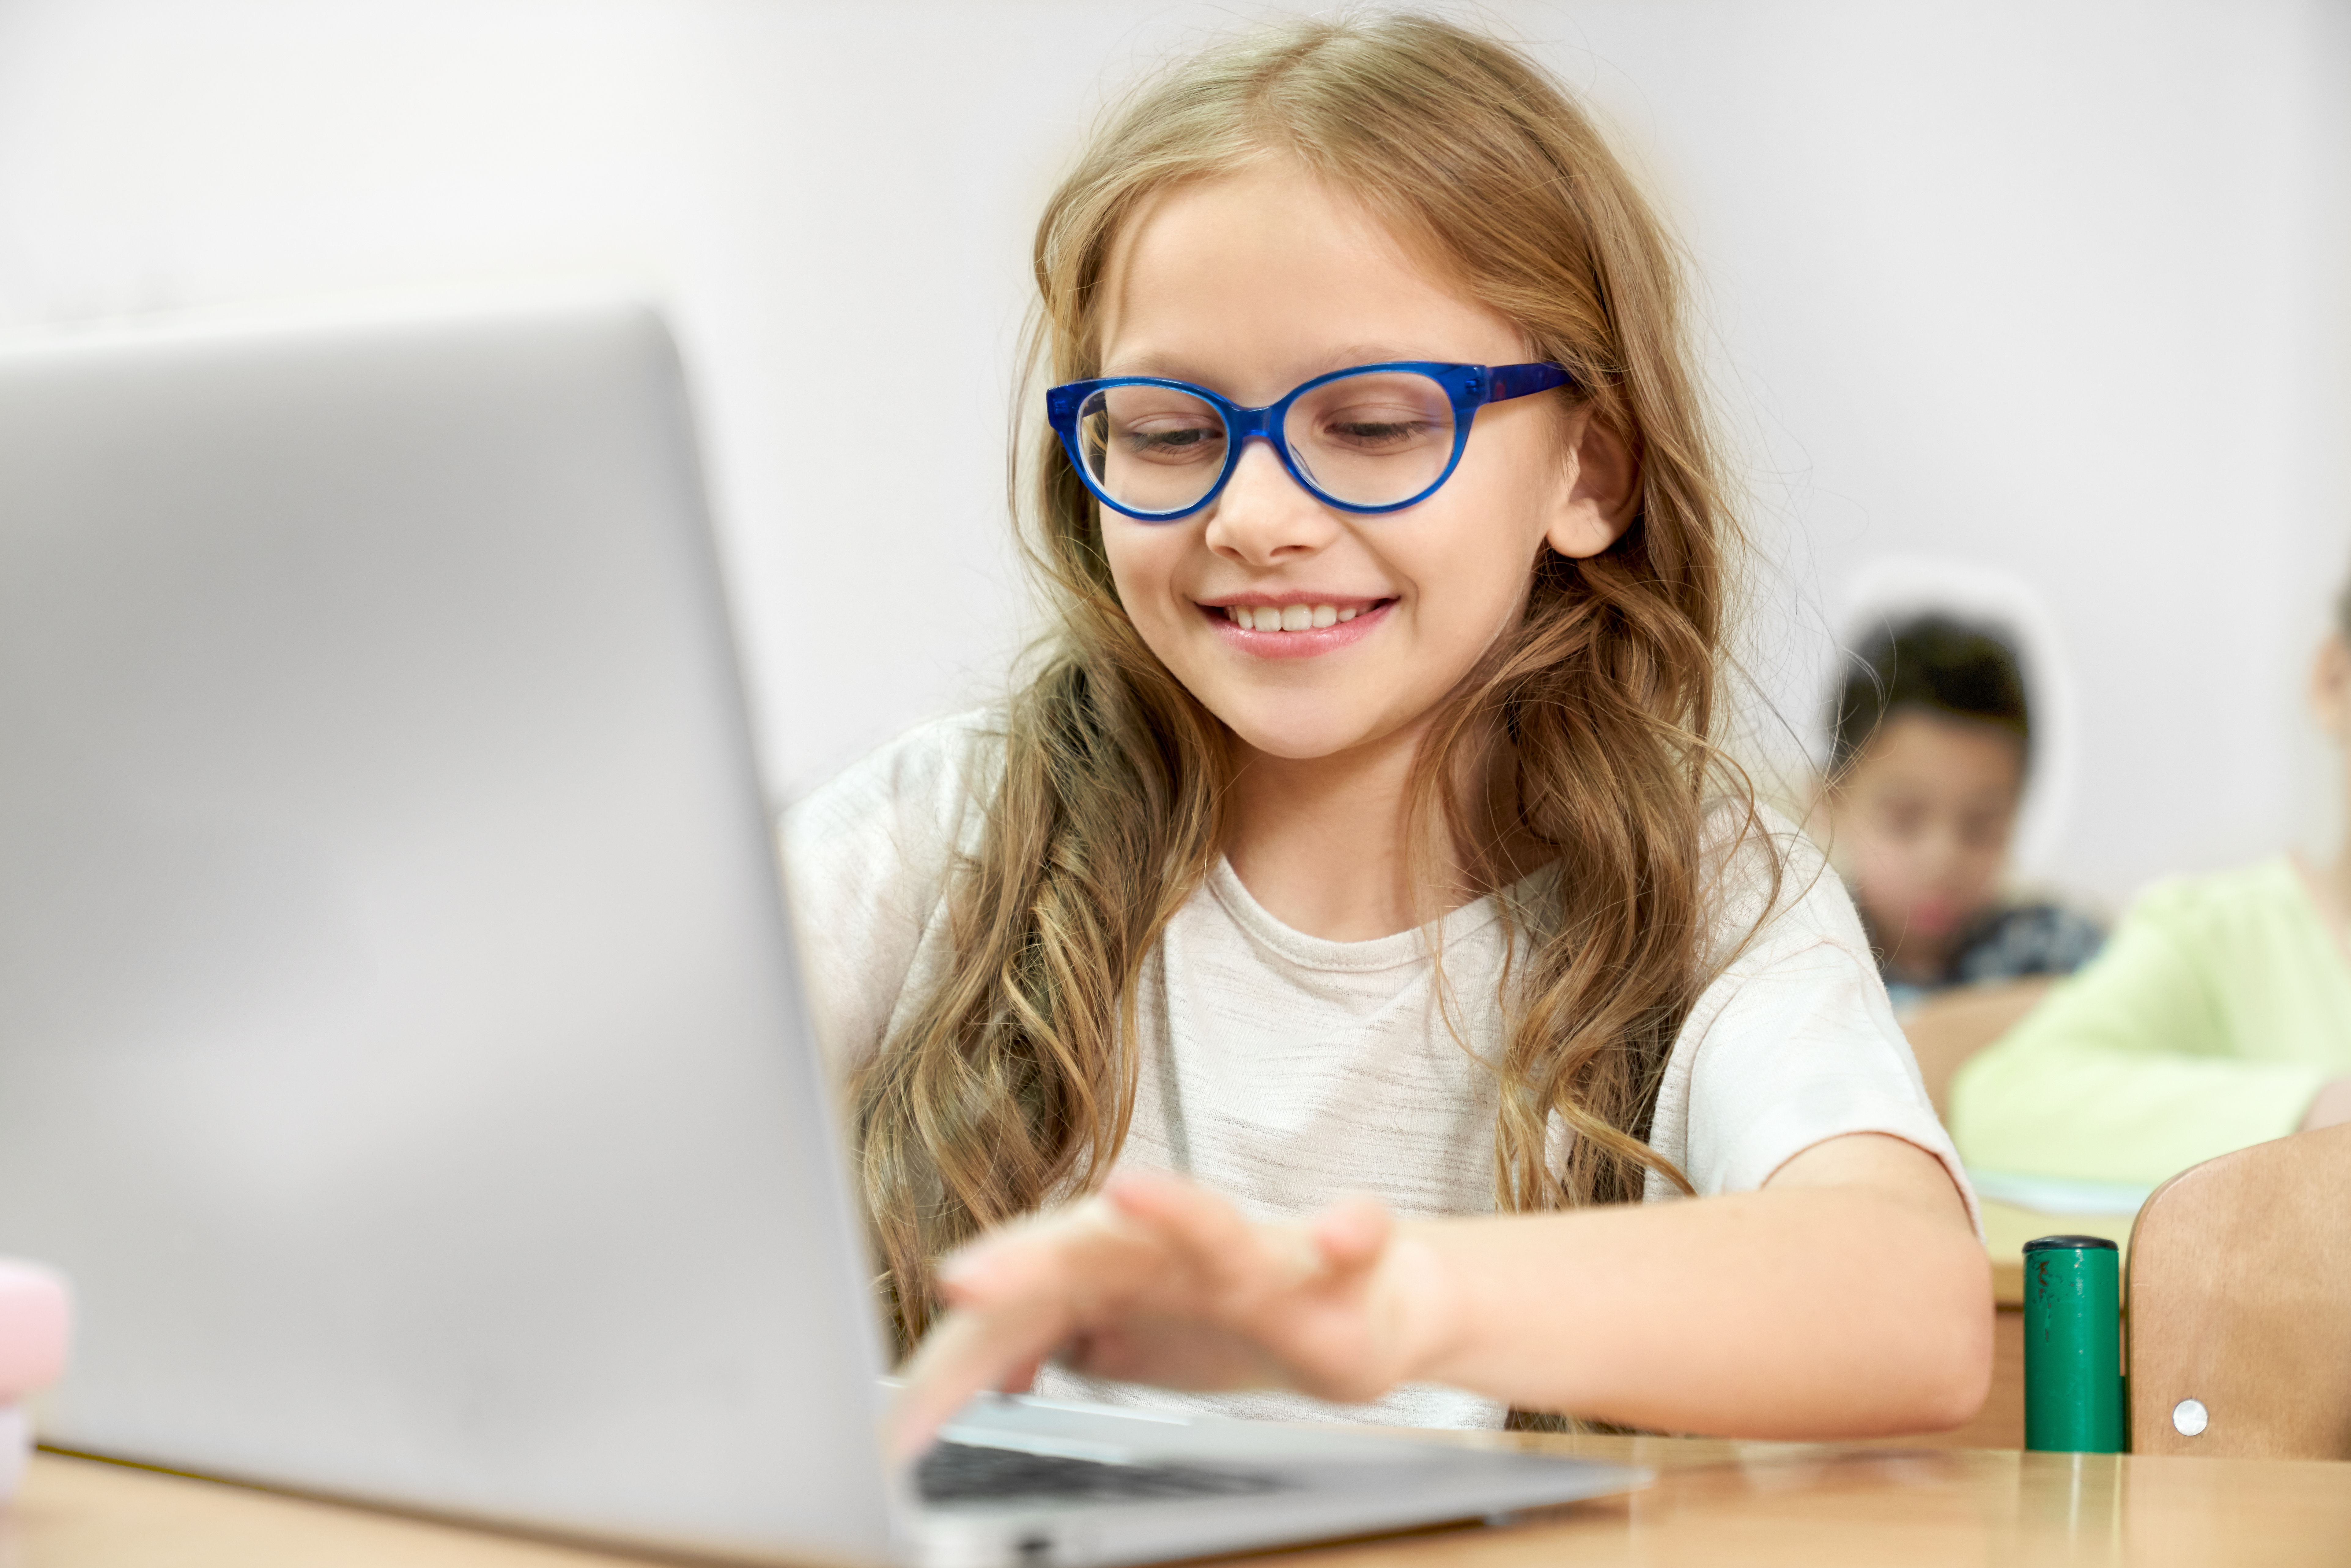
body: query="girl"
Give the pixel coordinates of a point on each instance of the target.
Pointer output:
(1293, 994)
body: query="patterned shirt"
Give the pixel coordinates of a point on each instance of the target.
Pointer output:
(2006, 942)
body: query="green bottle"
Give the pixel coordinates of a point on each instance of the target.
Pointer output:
(2073, 1346)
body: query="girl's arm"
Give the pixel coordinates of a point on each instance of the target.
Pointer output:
(1849, 1297)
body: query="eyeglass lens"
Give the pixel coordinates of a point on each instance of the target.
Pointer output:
(1371, 440)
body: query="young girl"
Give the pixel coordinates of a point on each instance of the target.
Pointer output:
(1313, 987)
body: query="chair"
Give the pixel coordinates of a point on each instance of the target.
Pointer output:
(1947, 1028)
(2239, 1312)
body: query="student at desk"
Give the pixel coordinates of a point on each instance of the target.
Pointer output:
(1389, 548)
(1930, 736)
(2219, 1016)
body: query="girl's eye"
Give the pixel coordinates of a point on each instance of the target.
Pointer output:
(1173, 441)
(1383, 414)
(1367, 432)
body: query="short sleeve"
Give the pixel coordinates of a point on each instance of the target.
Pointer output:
(867, 860)
(1794, 1041)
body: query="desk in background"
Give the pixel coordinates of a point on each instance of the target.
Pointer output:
(2008, 1227)
(1714, 1503)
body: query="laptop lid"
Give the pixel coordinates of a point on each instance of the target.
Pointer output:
(399, 1041)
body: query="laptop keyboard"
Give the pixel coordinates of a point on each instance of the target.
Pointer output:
(965, 1472)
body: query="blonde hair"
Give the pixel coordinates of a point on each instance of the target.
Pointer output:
(1011, 1083)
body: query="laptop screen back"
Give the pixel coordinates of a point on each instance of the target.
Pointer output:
(399, 1041)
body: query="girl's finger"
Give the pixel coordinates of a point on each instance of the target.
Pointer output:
(1168, 1200)
(965, 1353)
(1352, 1234)
(1081, 1256)
(1218, 1240)
(1014, 1298)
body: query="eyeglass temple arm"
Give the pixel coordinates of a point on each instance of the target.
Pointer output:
(1520, 381)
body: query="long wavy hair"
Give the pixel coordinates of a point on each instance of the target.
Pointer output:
(1013, 1080)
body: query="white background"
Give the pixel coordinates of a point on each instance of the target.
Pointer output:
(2041, 300)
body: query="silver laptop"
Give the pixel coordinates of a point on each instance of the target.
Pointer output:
(399, 1040)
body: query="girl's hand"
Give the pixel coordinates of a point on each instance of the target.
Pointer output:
(1155, 1281)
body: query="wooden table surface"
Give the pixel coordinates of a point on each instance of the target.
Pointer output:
(1714, 1503)
(1928, 1500)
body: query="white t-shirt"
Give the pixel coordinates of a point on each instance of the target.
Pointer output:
(1286, 1072)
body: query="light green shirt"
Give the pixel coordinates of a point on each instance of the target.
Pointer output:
(2217, 1011)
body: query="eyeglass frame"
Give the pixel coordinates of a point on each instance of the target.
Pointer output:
(1469, 387)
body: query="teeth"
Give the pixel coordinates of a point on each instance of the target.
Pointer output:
(1289, 618)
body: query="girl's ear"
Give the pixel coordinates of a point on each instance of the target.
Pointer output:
(1600, 489)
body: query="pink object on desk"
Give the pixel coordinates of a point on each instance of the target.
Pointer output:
(36, 1323)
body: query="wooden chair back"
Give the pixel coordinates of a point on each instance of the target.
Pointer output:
(1946, 1029)
(2239, 1301)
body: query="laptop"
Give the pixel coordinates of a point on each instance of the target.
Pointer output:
(400, 1042)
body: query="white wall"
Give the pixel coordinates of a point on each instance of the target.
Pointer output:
(2046, 291)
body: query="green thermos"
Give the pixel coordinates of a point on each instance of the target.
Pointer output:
(2073, 1346)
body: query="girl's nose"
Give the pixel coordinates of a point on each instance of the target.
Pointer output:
(1265, 517)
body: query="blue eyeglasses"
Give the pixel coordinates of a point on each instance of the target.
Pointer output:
(1372, 438)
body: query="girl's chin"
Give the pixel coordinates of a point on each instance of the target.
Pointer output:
(1304, 733)
(1291, 749)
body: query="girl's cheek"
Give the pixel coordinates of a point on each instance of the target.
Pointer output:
(1141, 567)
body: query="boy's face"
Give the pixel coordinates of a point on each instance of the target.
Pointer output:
(1922, 821)
(1249, 285)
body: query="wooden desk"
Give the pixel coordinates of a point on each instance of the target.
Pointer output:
(1714, 1503)
(78, 1514)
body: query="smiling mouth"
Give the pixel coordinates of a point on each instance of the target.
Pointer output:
(1290, 617)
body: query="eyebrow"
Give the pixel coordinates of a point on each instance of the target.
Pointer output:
(1175, 366)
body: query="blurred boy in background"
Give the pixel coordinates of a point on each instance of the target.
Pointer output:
(1930, 737)
(2219, 1015)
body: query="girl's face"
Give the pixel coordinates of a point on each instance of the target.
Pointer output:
(1923, 819)
(1249, 285)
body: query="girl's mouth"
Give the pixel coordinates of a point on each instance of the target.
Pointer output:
(1299, 629)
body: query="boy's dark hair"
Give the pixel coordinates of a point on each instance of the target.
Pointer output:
(1934, 664)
